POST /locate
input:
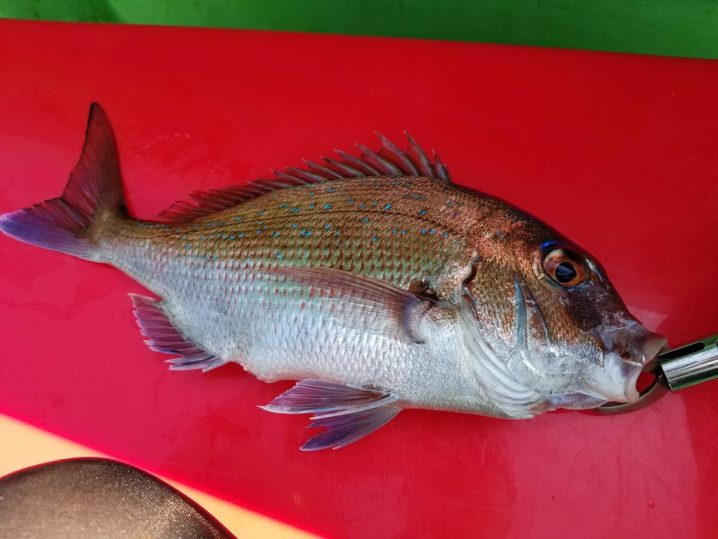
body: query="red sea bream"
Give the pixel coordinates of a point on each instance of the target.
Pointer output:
(374, 280)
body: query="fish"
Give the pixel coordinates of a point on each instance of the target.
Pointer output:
(372, 279)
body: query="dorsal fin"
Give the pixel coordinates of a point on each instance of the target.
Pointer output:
(389, 160)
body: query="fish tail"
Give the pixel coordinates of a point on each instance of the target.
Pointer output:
(92, 198)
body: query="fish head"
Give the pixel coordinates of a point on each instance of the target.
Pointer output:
(552, 328)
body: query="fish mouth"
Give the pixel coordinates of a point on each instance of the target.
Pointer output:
(616, 381)
(629, 352)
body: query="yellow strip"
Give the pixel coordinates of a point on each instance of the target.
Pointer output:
(22, 445)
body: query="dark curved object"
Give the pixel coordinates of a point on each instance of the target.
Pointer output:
(90, 497)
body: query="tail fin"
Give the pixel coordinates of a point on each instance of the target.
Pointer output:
(92, 194)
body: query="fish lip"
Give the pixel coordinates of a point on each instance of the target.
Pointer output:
(630, 392)
(616, 380)
(652, 348)
(653, 345)
(620, 374)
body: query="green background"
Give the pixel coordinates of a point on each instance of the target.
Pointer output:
(668, 27)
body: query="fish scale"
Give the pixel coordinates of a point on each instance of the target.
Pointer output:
(215, 264)
(369, 242)
(373, 280)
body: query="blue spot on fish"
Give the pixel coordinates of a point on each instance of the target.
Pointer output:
(362, 205)
(295, 225)
(374, 238)
(422, 212)
(387, 207)
(187, 246)
(312, 206)
(327, 226)
(374, 203)
(294, 209)
(276, 234)
(240, 234)
(432, 231)
(365, 220)
(305, 233)
(423, 231)
(444, 234)
(395, 231)
(279, 254)
(283, 206)
(331, 190)
(327, 206)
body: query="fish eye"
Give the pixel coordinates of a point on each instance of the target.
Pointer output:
(566, 267)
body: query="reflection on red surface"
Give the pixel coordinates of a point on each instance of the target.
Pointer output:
(617, 151)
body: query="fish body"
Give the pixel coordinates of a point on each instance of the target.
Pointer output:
(224, 289)
(375, 281)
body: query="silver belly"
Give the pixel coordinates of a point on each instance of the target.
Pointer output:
(276, 331)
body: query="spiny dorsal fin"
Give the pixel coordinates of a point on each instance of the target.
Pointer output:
(389, 160)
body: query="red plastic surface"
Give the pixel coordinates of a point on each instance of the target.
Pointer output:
(617, 151)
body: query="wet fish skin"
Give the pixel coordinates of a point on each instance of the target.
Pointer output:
(379, 289)
(209, 279)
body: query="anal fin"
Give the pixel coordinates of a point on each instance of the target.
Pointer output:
(163, 336)
(346, 413)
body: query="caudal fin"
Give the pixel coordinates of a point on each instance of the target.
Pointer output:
(92, 195)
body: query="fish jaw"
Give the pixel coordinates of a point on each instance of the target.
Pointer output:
(612, 376)
(628, 350)
(615, 381)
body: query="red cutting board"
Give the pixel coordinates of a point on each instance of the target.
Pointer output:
(619, 152)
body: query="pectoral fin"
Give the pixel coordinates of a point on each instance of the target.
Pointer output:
(346, 413)
(367, 303)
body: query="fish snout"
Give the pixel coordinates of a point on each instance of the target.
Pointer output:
(634, 345)
(650, 346)
(628, 352)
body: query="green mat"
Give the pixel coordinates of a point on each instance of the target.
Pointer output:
(668, 27)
